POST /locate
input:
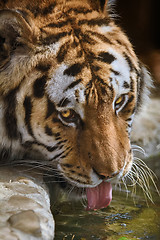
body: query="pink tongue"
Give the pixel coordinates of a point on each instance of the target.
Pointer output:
(100, 196)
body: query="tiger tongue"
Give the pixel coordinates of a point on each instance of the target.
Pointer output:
(99, 196)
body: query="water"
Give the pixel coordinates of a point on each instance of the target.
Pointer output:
(126, 218)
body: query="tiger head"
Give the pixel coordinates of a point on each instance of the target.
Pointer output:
(70, 85)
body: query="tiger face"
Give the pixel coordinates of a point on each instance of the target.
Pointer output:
(70, 86)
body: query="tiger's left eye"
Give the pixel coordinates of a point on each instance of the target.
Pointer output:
(68, 115)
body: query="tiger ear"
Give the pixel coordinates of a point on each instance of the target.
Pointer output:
(16, 40)
(100, 5)
(13, 28)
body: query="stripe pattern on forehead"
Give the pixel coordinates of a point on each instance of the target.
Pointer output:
(37, 11)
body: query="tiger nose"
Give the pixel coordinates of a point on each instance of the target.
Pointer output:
(105, 176)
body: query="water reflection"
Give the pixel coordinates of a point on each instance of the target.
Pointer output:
(126, 218)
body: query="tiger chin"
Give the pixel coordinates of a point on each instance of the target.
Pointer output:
(70, 85)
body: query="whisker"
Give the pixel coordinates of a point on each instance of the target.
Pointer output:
(141, 175)
(138, 149)
(148, 171)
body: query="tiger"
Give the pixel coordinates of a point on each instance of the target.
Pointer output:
(70, 86)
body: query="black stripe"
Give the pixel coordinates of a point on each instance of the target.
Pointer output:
(43, 67)
(50, 149)
(100, 36)
(115, 72)
(66, 154)
(126, 105)
(64, 102)
(28, 144)
(56, 120)
(57, 156)
(79, 54)
(74, 69)
(28, 111)
(112, 91)
(53, 38)
(103, 90)
(58, 138)
(129, 119)
(102, 85)
(77, 32)
(87, 93)
(140, 89)
(42, 11)
(94, 21)
(48, 131)
(10, 114)
(129, 101)
(119, 42)
(127, 58)
(75, 43)
(67, 165)
(79, 10)
(49, 9)
(101, 81)
(134, 109)
(86, 38)
(57, 134)
(62, 141)
(57, 24)
(125, 84)
(106, 57)
(91, 57)
(131, 84)
(50, 108)
(72, 85)
(62, 52)
(96, 68)
(39, 86)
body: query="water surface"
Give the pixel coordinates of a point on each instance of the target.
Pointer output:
(125, 218)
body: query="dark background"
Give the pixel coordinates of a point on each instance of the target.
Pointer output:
(140, 19)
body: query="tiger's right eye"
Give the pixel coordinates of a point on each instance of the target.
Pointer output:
(120, 102)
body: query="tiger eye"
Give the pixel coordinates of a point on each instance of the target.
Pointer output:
(120, 99)
(67, 113)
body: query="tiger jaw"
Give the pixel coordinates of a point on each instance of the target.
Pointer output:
(98, 188)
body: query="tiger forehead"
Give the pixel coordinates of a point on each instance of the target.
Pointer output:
(73, 24)
(85, 46)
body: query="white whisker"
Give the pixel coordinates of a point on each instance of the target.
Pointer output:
(141, 175)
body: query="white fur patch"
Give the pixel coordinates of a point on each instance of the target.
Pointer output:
(57, 90)
(54, 47)
(58, 84)
(106, 29)
(50, 49)
(119, 65)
